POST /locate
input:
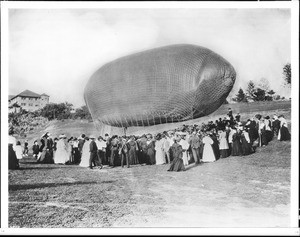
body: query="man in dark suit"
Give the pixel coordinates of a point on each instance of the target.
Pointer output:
(123, 151)
(93, 152)
(195, 143)
(114, 150)
(107, 149)
(142, 143)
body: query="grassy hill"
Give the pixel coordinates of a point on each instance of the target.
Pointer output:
(247, 110)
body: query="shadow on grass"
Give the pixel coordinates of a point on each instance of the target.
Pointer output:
(33, 166)
(16, 187)
(190, 166)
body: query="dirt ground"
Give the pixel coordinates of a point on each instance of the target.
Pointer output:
(251, 191)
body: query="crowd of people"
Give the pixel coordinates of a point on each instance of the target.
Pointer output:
(206, 142)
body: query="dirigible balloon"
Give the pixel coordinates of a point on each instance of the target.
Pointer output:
(168, 84)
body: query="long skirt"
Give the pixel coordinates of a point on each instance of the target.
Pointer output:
(208, 153)
(284, 134)
(61, 156)
(185, 158)
(224, 153)
(13, 162)
(76, 154)
(246, 148)
(151, 157)
(46, 158)
(177, 165)
(133, 156)
(236, 148)
(269, 135)
(216, 150)
(160, 157)
(263, 137)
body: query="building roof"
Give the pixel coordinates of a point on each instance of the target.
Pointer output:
(26, 93)
(45, 94)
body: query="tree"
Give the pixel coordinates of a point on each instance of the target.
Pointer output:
(57, 111)
(287, 74)
(270, 95)
(264, 84)
(259, 95)
(250, 90)
(83, 113)
(240, 97)
(276, 97)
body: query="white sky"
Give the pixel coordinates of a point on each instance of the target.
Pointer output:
(56, 51)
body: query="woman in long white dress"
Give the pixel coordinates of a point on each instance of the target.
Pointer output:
(159, 154)
(61, 155)
(85, 158)
(208, 152)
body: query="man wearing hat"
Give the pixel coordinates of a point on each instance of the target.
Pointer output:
(167, 145)
(93, 153)
(195, 144)
(101, 145)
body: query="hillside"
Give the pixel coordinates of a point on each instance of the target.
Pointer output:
(77, 127)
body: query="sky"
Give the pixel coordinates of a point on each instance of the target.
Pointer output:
(55, 51)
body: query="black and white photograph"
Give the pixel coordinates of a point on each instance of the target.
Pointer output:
(150, 118)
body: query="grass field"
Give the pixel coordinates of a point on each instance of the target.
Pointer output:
(252, 191)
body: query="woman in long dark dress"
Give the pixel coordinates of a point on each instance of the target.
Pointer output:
(132, 153)
(252, 130)
(176, 153)
(262, 133)
(245, 140)
(268, 129)
(142, 145)
(236, 144)
(46, 157)
(150, 150)
(13, 162)
(284, 134)
(215, 145)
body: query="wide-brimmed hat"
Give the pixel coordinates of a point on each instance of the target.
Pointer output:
(47, 134)
(92, 137)
(61, 136)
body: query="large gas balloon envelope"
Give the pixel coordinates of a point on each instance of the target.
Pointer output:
(163, 85)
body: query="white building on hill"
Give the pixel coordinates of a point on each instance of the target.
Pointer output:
(27, 100)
